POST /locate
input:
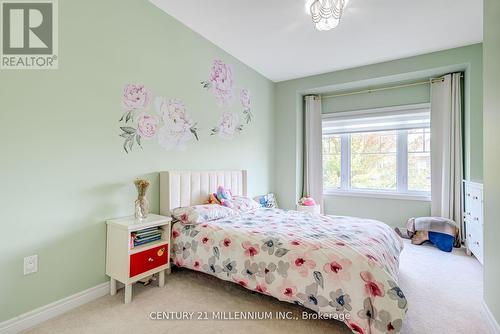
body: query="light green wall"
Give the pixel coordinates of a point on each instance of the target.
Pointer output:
(492, 156)
(289, 120)
(394, 212)
(63, 170)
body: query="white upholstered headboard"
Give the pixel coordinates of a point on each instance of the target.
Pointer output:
(185, 188)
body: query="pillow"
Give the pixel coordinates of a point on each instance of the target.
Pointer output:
(200, 213)
(267, 201)
(243, 204)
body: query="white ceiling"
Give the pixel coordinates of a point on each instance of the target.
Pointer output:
(277, 37)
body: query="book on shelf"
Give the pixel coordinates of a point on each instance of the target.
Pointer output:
(147, 241)
(145, 236)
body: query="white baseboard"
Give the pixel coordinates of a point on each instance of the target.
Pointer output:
(490, 320)
(46, 312)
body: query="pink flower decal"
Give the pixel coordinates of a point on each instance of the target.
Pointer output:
(227, 126)
(147, 126)
(250, 249)
(136, 97)
(245, 102)
(245, 98)
(372, 287)
(338, 268)
(176, 127)
(220, 82)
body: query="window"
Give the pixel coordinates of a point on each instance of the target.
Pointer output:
(378, 151)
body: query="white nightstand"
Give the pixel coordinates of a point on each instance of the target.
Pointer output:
(316, 209)
(128, 264)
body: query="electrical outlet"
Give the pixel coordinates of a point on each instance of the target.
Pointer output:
(30, 264)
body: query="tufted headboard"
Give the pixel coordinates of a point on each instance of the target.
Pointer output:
(185, 188)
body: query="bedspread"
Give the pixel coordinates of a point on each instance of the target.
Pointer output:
(345, 268)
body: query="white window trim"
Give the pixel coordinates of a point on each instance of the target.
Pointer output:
(413, 196)
(402, 191)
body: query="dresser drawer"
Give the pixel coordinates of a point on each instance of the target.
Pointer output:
(148, 259)
(475, 240)
(473, 205)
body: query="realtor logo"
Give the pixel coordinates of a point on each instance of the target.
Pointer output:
(29, 34)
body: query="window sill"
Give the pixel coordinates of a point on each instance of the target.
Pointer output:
(378, 194)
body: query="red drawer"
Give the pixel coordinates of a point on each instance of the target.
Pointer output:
(148, 259)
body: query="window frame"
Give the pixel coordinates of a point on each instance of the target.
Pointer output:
(402, 191)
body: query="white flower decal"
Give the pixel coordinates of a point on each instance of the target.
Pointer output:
(178, 128)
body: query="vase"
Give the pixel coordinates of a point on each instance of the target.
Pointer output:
(141, 208)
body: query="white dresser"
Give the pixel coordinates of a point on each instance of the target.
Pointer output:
(473, 217)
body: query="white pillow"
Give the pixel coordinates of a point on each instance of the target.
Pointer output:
(201, 213)
(243, 204)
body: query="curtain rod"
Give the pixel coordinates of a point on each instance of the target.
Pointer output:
(427, 82)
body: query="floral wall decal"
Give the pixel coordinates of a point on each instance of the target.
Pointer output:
(172, 126)
(147, 126)
(178, 127)
(245, 103)
(220, 82)
(227, 126)
(135, 97)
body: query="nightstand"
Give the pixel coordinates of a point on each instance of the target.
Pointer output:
(128, 264)
(316, 209)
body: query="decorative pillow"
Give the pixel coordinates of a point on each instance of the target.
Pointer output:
(267, 201)
(200, 213)
(243, 204)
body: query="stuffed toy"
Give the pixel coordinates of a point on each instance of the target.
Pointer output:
(224, 196)
(307, 201)
(212, 199)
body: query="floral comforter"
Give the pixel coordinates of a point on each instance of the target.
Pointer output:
(342, 267)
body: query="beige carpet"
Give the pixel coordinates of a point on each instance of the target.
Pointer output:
(444, 292)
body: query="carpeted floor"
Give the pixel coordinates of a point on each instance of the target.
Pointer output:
(444, 293)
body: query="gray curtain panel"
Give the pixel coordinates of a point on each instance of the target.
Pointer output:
(446, 149)
(313, 156)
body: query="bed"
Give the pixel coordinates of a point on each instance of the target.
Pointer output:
(344, 268)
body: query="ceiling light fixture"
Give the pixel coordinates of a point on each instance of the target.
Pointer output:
(326, 14)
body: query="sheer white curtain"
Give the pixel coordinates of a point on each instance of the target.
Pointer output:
(446, 148)
(313, 164)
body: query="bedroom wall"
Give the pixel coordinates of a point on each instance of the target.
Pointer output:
(63, 169)
(289, 123)
(491, 156)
